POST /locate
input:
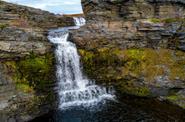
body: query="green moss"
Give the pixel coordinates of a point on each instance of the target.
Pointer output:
(147, 63)
(173, 98)
(131, 87)
(110, 65)
(167, 20)
(33, 72)
(170, 20)
(24, 87)
(177, 99)
(100, 61)
(88, 59)
(3, 25)
(152, 63)
(155, 20)
(36, 70)
(139, 91)
(88, 56)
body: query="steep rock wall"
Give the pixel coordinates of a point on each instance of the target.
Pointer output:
(128, 24)
(136, 45)
(27, 62)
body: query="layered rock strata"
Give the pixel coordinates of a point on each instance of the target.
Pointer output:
(136, 45)
(27, 62)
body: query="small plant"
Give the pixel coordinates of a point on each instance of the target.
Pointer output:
(3, 25)
(155, 20)
(24, 87)
(166, 20)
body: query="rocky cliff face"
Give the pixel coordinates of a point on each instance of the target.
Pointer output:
(136, 45)
(27, 71)
(129, 24)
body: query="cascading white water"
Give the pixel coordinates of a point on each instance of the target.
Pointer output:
(73, 88)
(79, 21)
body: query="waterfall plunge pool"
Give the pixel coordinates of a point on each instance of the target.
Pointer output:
(126, 109)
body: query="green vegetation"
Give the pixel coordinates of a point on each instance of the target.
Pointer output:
(36, 70)
(3, 25)
(137, 62)
(155, 20)
(114, 65)
(33, 72)
(24, 87)
(167, 20)
(131, 86)
(173, 98)
(177, 99)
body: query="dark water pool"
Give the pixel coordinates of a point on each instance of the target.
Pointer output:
(127, 109)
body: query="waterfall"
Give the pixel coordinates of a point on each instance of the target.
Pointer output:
(74, 88)
(79, 21)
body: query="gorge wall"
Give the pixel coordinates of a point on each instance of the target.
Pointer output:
(27, 62)
(136, 45)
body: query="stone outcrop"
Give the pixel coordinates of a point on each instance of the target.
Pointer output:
(27, 71)
(23, 16)
(130, 24)
(136, 45)
(23, 29)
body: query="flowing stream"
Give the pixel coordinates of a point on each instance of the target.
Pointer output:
(74, 88)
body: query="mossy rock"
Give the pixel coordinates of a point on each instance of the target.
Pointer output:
(34, 72)
(3, 25)
(167, 20)
(147, 63)
(24, 87)
(33, 77)
(133, 86)
(111, 65)
(177, 99)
